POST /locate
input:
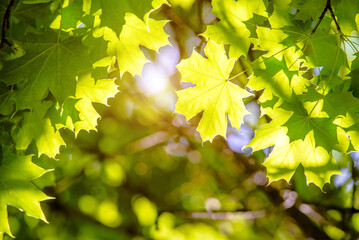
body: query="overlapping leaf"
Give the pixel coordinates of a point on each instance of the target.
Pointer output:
(234, 17)
(308, 9)
(126, 48)
(88, 91)
(293, 131)
(47, 65)
(273, 78)
(114, 11)
(347, 15)
(214, 93)
(318, 164)
(38, 128)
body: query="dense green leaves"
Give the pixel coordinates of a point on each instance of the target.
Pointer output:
(47, 64)
(301, 78)
(58, 58)
(56, 62)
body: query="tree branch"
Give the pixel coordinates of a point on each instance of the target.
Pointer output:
(328, 6)
(6, 24)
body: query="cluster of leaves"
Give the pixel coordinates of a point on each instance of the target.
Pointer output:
(302, 69)
(57, 59)
(60, 57)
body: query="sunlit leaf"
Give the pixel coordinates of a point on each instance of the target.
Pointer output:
(214, 93)
(16, 188)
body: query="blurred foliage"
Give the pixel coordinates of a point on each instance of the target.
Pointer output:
(146, 175)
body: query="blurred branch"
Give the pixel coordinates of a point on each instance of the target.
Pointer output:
(237, 215)
(74, 213)
(354, 177)
(309, 228)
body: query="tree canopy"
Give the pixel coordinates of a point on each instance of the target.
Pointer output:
(196, 119)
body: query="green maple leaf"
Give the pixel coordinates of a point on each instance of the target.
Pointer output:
(38, 128)
(273, 77)
(30, 12)
(272, 133)
(353, 132)
(308, 9)
(301, 123)
(254, 22)
(345, 12)
(214, 93)
(135, 32)
(318, 164)
(354, 77)
(325, 51)
(296, 32)
(232, 28)
(333, 104)
(114, 11)
(48, 64)
(88, 91)
(71, 15)
(16, 188)
(65, 115)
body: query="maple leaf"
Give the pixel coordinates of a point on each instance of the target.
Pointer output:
(324, 50)
(346, 15)
(302, 138)
(353, 132)
(48, 64)
(254, 22)
(318, 164)
(232, 29)
(333, 104)
(135, 32)
(65, 115)
(37, 127)
(301, 123)
(308, 9)
(272, 77)
(88, 91)
(71, 15)
(16, 188)
(214, 93)
(114, 11)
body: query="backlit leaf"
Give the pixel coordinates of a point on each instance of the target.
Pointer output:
(214, 93)
(16, 188)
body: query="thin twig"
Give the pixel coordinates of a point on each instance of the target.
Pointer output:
(6, 24)
(354, 177)
(333, 16)
(321, 17)
(328, 6)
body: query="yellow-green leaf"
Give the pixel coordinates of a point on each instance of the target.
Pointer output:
(214, 93)
(38, 128)
(88, 91)
(135, 32)
(16, 188)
